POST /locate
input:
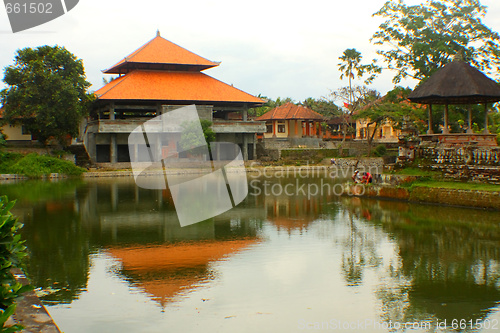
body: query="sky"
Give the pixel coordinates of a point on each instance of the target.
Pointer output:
(268, 47)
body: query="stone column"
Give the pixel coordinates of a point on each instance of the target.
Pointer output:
(112, 111)
(445, 129)
(429, 121)
(245, 113)
(113, 149)
(158, 147)
(254, 149)
(469, 111)
(245, 147)
(486, 130)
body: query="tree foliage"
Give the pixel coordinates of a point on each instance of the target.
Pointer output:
(192, 140)
(269, 105)
(12, 252)
(322, 106)
(352, 67)
(393, 107)
(419, 39)
(47, 92)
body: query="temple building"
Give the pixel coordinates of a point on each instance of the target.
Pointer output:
(156, 78)
(297, 124)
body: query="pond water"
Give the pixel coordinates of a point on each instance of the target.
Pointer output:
(111, 257)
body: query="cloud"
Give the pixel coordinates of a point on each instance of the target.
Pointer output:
(268, 47)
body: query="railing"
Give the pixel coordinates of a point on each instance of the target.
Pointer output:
(464, 155)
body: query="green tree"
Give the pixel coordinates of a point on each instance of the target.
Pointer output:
(323, 106)
(393, 107)
(352, 68)
(419, 39)
(47, 92)
(269, 105)
(192, 141)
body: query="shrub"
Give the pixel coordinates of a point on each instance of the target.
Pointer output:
(34, 165)
(12, 251)
(7, 160)
(380, 150)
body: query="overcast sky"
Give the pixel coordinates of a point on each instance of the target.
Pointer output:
(268, 47)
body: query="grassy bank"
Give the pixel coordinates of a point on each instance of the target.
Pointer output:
(34, 165)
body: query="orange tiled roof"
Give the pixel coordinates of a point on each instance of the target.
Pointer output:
(290, 111)
(172, 86)
(160, 53)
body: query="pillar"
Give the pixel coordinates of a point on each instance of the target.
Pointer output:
(112, 110)
(486, 130)
(254, 149)
(469, 111)
(319, 130)
(113, 149)
(429, 121)
(445, 129)
(308, 129)
(245, 113)
(274, 128)
(135, 158)
(296, 129)
(158, 147)
(245, 147)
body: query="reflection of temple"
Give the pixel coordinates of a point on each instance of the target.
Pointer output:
(74, 220)
(164, 271)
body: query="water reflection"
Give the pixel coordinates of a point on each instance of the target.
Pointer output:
(420, 262)
(449, 260)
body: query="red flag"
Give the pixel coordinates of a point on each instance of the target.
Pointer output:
(347, 105)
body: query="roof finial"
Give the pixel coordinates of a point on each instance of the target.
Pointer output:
(158, 33)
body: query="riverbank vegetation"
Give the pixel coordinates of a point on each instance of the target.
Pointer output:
(12, 252)
(34, 165)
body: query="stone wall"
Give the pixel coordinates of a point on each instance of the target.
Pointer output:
(420, 194)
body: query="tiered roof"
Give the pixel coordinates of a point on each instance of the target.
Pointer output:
(163, 71)
(161, 54)
(290, 111)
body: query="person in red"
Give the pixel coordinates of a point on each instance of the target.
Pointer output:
(367, 177)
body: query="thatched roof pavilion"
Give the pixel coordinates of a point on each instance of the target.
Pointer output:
(456, 83)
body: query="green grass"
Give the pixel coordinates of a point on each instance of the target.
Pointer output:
(34, 165)
(416, 172)
(456, 185)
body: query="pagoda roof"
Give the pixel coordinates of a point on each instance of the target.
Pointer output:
(176, 86)
(161, 54)
(456, 83)
(290, 111)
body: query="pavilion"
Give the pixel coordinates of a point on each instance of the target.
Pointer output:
(156, 78)
(457, 83)
(292, 121)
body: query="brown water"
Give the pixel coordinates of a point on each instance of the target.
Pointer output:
(111, 257)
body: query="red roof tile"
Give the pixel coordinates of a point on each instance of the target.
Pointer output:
(290, 111)
(172, 86)
(160, 53)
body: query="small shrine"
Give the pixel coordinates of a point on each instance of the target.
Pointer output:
(457, 83)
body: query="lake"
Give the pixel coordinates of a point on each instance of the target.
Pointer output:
(108, 256)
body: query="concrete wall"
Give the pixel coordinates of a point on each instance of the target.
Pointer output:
(15, 133)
